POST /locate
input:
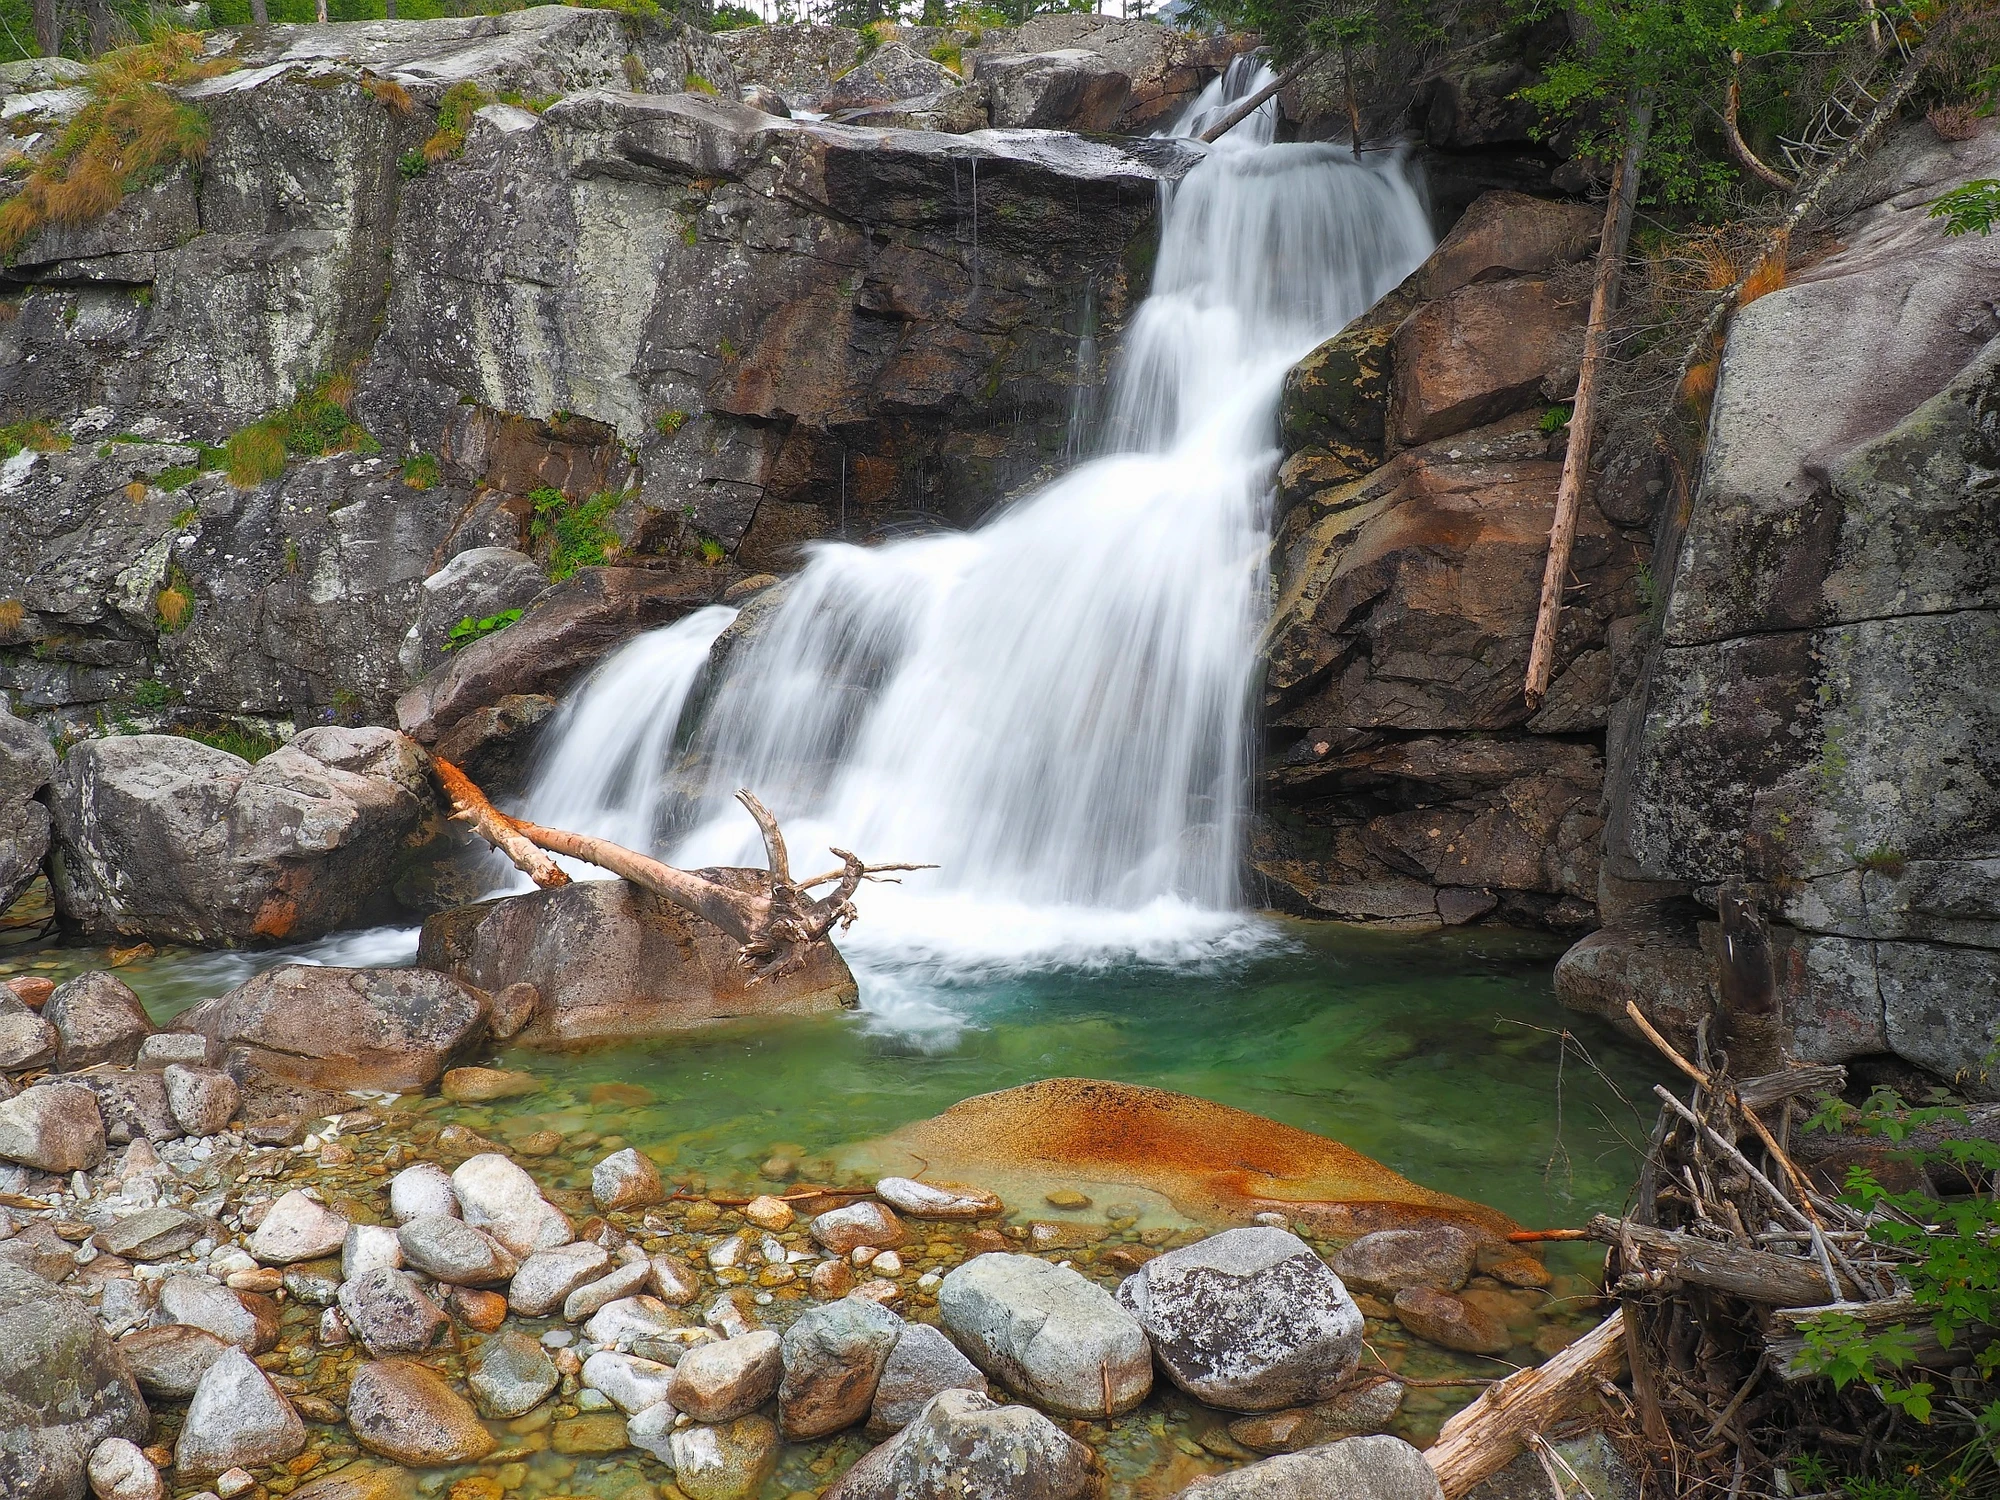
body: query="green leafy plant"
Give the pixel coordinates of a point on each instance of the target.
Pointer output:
(454, 117)
(1971, 209)
(468, 630)
(150, 692)
(670, 422)
(1555, 419)
(577, 533)
(316, 423)
(413, 163)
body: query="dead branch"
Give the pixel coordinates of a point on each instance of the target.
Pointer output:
(1251, 105)
(1758, 1275)
(1484, 1438)
(776, 928)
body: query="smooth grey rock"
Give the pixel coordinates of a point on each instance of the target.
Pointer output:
(26, 1040)
(626, 1179)
(203, 1100)
(204, 1303)
(1046, 1331)
(510, 1375)
(63, 1389)
(118, 1470)
(844, 1230)
(651, 1431)
(424, 1188)
(632, 1383)
(476, 584)
(1382, 1468)
(547, 1277)
(886, 75)
(1247, 1320)
(923, 1200)
(1383, 1263)
(97, 1020)
(724, 1380)
(237, 1419)
(623, 1322)
(296, 1228)
(389, 1314)
(52, 1127)
(150, 1234)
(965, 1443)
(499, 1197)
(190, 1048)
(452, 1251)
(590, 1299)
(834, 1356)
(923, 1363)
(1069, 89)
(168, 838)
(409, 1413)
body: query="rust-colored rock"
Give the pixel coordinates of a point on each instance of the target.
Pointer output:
(1484, 351)
(1206, 1160)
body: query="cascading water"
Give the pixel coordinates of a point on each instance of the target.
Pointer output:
(1053, 707)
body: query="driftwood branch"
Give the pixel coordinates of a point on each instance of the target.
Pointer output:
(1760, 1276)
(776, 928)
(1486, 1436)
(1249, 106)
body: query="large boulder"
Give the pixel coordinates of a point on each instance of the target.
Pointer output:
(27, 764)
(886, 75)
(1066, 90)
(965, 1443)
(1382, 1468)
(923, 1363)
(63, 1389)
(1046, 1331)
(1247, 1320)
(834, 1356)
(799, 61)
(345, 1028)
(1483, 351)
(480, 583)
(97, 1020)
(55, 1127)
(1167, 67)
(615, 963)
(164, 837)
(1816, 719)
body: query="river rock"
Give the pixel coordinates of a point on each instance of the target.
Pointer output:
(834, 1356)
(1451, 1321)
(97, 1019)
(452, 1251)
(171, 1359)
(189, 1048)
(845, 1230)
(1367, 1407)
(297, 1228)
(1383, 1263)
(924, 1200)
(633, 1384)
(202, 1302)
(40, 1250)
(389, 1314)
(133, 1105)
(1070, 89)
(26, 1040)
(613, 963)
(729, 1461)
(477, 584)
(1046, 1331)
(483, 1085)
(361, 1484)
(965, 1443)
(625, 1179)
(203, 1100)
(594, 1298)
(622, 1322)
(396, 1029)
(421, 1189)
(923, 1363)
(314, 831)
(118, 1470)
(673, 1280)
(369, 1247)
(408, 1413)
(150, 1234)
(497, 1196)
(63, 1389)
(547, 1277)
(237, 1419)
(27, 763)
(652, 1431)
(1247, 1320)
(1382, 1468)
(510, 1375)
(52, 1127)
(723, 1380)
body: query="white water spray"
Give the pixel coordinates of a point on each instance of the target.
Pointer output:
(1053, 707)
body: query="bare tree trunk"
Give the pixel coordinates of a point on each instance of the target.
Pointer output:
(320, 11)
(1616, 234)
(48, 30)
(260, 13)
(1250, 106)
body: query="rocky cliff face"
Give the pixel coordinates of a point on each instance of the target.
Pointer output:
(1817, 716)
(1404, 778)
(746, 331)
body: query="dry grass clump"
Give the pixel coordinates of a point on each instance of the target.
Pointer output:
(454, 117)
(1954, 122)
(131, 131)
(391, 94)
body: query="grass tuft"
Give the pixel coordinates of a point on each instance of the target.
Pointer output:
(578, 532)
(317, 422)
(392, 95)
(35, 433)
(454, 117)
(1699, 387)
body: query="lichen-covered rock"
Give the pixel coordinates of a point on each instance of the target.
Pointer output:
(887, 74)
(236, 1420)
(510, 1375)
(480, 583)
(63, 1389)
(27, 764)
(1045, 1331)
(97, 1020)
(834, 1356)
(923, 1363)
(1247, 1320)
(26, 1040)
(165, 837)
(389, 1313)
(724, 1461)
(345, 1028)
(1069, 89)
(611, 962)
(1382, 1468)
(799, 61)
(965, 1443)
(1383, 1263)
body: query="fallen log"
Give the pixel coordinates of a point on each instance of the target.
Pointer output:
(775, 927)
(1786, 1341)
(1758, 1275)
(1487, 1436)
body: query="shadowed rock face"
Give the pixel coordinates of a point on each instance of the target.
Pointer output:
(1211, 1163)
(1818, 714)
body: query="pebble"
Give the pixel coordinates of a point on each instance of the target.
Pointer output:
(842, 1230)
(234, 1483)
(888, 1263)
(296, 1228)
(483, 1312)
(389, 1314)
(673, 1280)
(632, 1383)
(482, 1085)
(830, 1279)
(369, 1247)
(770, 1213)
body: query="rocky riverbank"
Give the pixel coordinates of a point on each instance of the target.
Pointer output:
(281, 1289)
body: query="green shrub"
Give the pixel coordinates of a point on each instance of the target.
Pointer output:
(152, 693)
(1555, 419)
(468, 630)
(577, 532)
(727, 17)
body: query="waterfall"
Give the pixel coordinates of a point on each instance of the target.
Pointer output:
(1055, 706)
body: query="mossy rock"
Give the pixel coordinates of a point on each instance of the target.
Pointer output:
(1336, 399)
